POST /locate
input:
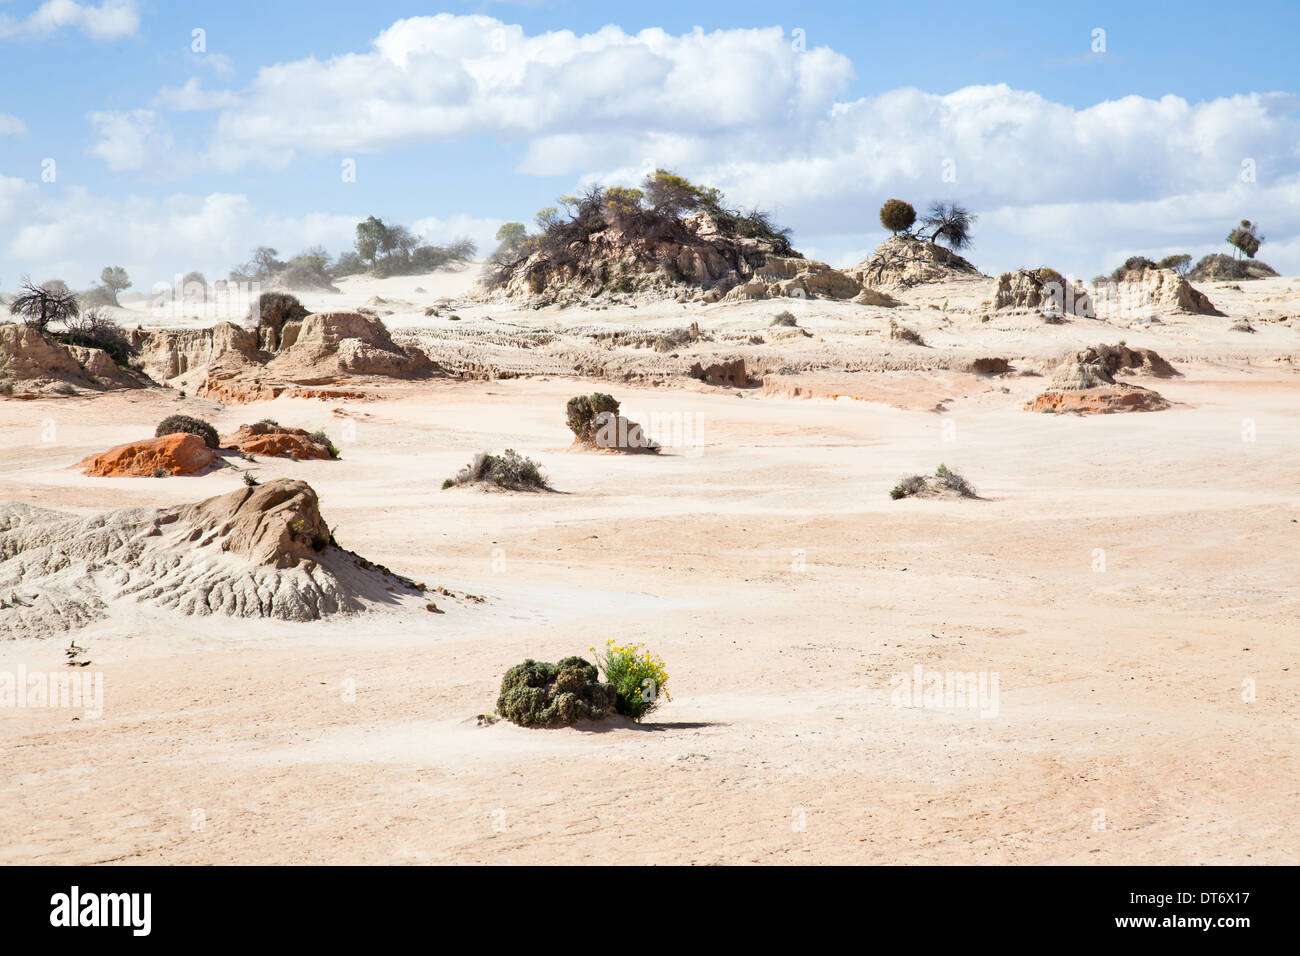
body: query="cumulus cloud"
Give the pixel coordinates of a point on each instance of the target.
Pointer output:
(111, 20)
(11, 125)
(446, 77)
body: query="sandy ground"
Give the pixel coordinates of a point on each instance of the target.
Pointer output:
(1128, 578)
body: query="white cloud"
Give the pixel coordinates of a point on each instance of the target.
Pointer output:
(130, 139)
(191, 97)
(11, 125)
(445, 77)
(111, 20)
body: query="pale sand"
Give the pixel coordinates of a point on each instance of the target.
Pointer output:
(1120, 691)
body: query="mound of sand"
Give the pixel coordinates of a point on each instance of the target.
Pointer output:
(275, 441)
(177, 454)
(1085, 383)
(686, 259)
(1220, 267)
(35, 364)
(901, 262)
(262, 552)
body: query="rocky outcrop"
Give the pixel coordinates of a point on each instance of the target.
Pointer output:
(1100, 401)
(275, 441)
(176, 454)
(34, 363)
(1151, 290)
(730, 374)
(690, 258)
(1123, 360)
(1085, 384)
(262, 552)
(786, 276)
(168, 353)
(1042, 290)
(326, 346)
(902, 262)
(987, 366)
(234, 364)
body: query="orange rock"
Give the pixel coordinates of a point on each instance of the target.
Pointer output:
(179, 454)
(275, 441)
(1103, 400)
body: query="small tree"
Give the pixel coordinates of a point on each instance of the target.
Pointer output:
(1180, 264)
(948, 223)
(897, 216)
(39, 305)
(511, 235)
(1246, 238)
(115, 280)
(265, 263)
(370, 235)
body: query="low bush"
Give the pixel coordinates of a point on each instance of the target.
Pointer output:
(785, 318)
(173, 424)
(540, 694)
(942, 480)
(321, 438)
(507, 470)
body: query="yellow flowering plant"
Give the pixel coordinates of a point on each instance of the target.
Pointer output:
(639, 677)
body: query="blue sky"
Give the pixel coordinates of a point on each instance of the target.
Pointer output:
(167, 159)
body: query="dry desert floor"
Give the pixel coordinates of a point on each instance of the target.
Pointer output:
(1129, 579)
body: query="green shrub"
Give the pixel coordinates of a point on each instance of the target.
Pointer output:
(581, 412)
(539, 694)
(638, 678)
(943, 479)
(507, 470)
(173, 424)
(954, 482)
(322, 439)
(907, 487)
(250, 480)
(897, 216)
